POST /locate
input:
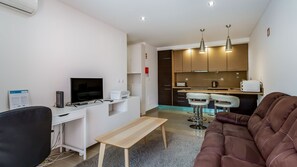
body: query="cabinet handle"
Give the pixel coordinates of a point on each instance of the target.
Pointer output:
(167, 89)
(180, 101)
(167, 58)
(167, 85)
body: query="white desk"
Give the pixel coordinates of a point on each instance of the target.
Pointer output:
(98, 118)
(67, 114)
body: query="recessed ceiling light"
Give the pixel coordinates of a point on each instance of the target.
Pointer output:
(211, 3)
(142, 18)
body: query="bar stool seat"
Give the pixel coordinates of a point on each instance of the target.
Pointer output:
(225, 101)
(198, 101)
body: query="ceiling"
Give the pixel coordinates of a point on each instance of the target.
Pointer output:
(175, 22)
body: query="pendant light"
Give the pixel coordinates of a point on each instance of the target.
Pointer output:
(228, 47)
(202, 44)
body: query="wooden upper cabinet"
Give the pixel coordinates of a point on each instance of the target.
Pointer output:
(178, 60)
(237, 60)
(187, 61)
(199, 61)
(217, 60)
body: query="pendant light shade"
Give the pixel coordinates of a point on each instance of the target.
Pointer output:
(202, 44)
(228, 47)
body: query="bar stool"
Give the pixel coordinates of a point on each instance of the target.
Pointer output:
(225, 101)
(198, 101)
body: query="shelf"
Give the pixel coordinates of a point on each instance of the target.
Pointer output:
(117, 107)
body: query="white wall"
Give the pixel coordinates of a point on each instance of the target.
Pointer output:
(151, 81)
(42, 52)
(273, 60)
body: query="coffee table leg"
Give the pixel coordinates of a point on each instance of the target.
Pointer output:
(126, 157)
(101, 154)
(164, 136)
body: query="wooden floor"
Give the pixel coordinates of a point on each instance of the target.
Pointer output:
(177, 123)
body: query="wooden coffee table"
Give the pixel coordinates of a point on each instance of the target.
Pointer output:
(125, 137)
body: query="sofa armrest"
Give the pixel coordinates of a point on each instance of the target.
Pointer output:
(233, 118)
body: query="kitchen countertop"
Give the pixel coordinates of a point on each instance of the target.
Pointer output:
(181, 87)
(220, 91)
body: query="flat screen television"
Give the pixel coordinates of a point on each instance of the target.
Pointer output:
(86, 89)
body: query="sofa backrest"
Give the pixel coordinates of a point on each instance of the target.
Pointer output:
(276, 124)
(267, 103)
(285, 153)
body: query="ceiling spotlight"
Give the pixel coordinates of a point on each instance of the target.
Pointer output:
(210, 3)
(142, 18)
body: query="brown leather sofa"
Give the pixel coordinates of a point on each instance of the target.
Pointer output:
(267, 138)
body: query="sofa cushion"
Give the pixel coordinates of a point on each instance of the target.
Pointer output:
(265, 106)
(229, 161)
(208, 159)
(228, 117)
(243, 149)
(236, 131)
(285, 154)
(276, 125)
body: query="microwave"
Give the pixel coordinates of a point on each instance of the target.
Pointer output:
(250, 86)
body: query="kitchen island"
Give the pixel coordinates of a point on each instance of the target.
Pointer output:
(248, 100)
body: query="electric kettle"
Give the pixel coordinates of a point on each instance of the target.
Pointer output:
(214, 84)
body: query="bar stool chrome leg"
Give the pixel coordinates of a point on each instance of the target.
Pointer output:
(193, 117)
(198, 101)
(199, 122)
(215, 110)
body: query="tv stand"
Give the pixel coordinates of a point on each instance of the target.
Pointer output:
(101, 118)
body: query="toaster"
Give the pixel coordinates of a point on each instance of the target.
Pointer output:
(250, 86)
(181, 84)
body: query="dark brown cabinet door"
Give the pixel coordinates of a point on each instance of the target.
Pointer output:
(165, 77)
(180, 99)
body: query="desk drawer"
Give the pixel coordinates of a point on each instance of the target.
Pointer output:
(68, 117)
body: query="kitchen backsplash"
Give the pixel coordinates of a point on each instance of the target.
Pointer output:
(225, 79)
